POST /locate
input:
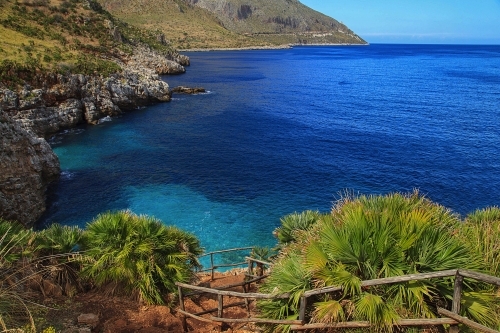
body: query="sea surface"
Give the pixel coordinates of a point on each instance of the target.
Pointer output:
(281, 131)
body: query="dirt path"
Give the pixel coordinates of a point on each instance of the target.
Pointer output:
(122, 315)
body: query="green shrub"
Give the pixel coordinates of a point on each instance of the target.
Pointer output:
(371, 237)
(292, 223)
(138, 255)
(59, 261)
(481, 230)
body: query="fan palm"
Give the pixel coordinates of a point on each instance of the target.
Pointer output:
(58, 257)
(138, 255)
(482, 231)
(294, 222)
(370, 237)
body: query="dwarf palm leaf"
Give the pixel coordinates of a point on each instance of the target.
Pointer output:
(58, 239)
(371, 237)
(138, 255)
(57, 250)
(482, 231)
(289, 276)
(14, 311)
(295, 222)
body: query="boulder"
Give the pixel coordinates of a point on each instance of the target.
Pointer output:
(89, 319)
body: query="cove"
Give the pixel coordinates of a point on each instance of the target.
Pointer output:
(287, 130)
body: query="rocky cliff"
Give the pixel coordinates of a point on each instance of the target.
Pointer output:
(27, 162)
(63, 64)
(65, 101)
(27, 165)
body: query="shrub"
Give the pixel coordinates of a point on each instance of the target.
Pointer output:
(292, 223)
(138, 255)
(59, 261)
(481, 231)
(371, 237)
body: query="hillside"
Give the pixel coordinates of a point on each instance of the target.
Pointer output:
(76, 36)
(233, 23)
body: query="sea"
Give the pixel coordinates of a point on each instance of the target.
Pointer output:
(283, 131)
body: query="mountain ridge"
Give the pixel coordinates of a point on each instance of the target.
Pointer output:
(208, 24)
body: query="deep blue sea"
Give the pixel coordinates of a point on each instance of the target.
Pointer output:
(288, 130)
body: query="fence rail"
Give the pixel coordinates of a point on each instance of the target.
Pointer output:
(213, 267)
(449, 317)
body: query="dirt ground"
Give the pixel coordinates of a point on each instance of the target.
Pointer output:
(122, 315)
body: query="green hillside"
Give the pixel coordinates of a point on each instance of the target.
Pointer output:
(233, 23)
(60, 36)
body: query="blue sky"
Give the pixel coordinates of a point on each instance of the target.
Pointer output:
(417, 21)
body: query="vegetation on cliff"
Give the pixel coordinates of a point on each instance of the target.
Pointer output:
(75, 36)
(371, 237)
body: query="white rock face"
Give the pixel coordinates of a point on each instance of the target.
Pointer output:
(27, 165)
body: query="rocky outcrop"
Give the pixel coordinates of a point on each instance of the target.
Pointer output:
(75, 98)
(27, 165)
(146, 58)
(188, 90)
(54, 102)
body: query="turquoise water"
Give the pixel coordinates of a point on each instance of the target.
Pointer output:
(288, 130)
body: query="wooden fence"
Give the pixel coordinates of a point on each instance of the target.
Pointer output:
(213, 266)
(449, 317)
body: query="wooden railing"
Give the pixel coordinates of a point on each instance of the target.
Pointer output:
(450, 317)
(213, 266)
(453, 317)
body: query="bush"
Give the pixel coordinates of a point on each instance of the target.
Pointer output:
(292, 223)
(371, 237)
(138, 256)
(481, 231)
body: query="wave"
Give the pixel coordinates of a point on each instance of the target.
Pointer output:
(67, 175)
(105, 119)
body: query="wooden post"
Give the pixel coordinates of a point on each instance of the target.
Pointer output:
(457, 297)
(250, 267)
(181, 302)
(247, 303)
(220, 307)
(212, 264)
(302, 310)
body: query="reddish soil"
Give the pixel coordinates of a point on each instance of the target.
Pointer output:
(119, 314)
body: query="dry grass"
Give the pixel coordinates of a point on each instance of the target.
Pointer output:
(193, 27)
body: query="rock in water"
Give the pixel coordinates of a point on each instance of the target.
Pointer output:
(188, 90)
(27, 165)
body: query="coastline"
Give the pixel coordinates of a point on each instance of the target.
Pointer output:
(54, 102)
(276, 47)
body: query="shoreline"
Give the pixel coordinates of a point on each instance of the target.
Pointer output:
(269, 47)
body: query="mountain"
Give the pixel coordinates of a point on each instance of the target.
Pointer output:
(233, 23)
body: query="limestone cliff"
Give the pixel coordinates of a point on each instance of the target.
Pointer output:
(65, 101)
(27, 165)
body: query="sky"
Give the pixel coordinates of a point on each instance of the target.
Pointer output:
(417, 21)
